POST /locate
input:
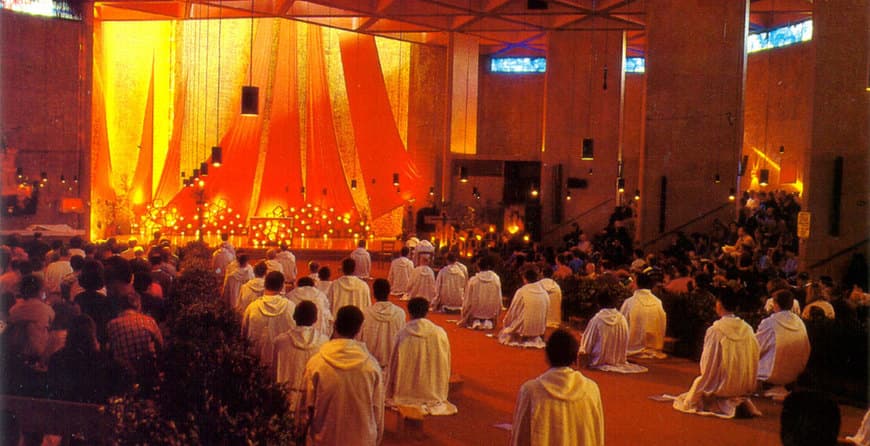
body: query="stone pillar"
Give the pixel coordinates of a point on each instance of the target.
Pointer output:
(841, 117)
(695, 71)
(578, 107)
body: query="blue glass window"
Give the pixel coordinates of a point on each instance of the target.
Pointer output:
(46, 8)
(635, 65)
(518, 65)
(780, 37)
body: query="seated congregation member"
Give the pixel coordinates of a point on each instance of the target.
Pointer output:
(400, 273)
(237, 275)
(784, 345)
(449, 286)
(815, 299)
(305, 291)
(349, 289)
(481, 301)
(422, 281)
(419, 373)
(561, 406)
(267, 317)
(93, 300)
(134, 338)
(775, 285)
(382, 323)
(646, 318)
(809, 419)
(253, 288)
(288, 263)
(343, 400)
(526, 319)
(81, 372)
(363, 265)
(729, 365)
(554, 309)
(295, 347)
(605, 340)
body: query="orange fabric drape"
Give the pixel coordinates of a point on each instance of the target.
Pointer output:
(144, 174)
(170, 177)
(101, 162)
(325, 180)
(376, 135)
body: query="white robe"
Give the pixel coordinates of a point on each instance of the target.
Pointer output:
(274, 265)
(381, 325)
(554, 310)
(795, 306)
(264, 320)
(421, 342)
(605, 340)
(559, 408)
(344, 396)
(449, 286)
(293, 349)
(400, 275)
(349, 290)
(220, 259)
(729, 366)
(862, 437)
(54, 274)
(288, 265)
(646, 324)
(325, 318)
(823, 304)
(233, 282)
(249, 292)
(323, 286)
(422, 284)
(526, 319)
(363, 259)
(482, 298)
(785, 348)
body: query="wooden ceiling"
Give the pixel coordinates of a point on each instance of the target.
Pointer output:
(503, 26)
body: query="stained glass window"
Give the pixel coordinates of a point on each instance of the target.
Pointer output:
(46, 8)
(635, 64)
(780, 37)
(518, 65)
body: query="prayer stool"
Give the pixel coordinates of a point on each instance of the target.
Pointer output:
(670, 346)
(456, 383)
(410, 421)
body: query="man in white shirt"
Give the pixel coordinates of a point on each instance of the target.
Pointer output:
(295, 347)
(267, 317)
(400, 273)
(554, 309)
(420, 342)
(382, 323)
(784, 344)
(605, 339)
(729, 365)
(349, 289)
(288, 263)
(449, 286)
(646, 319)
(561, 407)
(363, 260)
(55, 272)
(305, 291)
(526, 319)
(481, 301)
(343, 401)
(252, 289)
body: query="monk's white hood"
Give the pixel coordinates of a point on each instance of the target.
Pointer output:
(734, 329)
(241, 273)
(454, 269)
(563, 383)
(344, 354)
(307, 293)
(487, 276)
(347, 283)
(273, 305)
(382, 311)
(549, 284)
(257, 285)
(420, 327)
(609, 316)
(303, 338)
(789, 321)
(645, 297)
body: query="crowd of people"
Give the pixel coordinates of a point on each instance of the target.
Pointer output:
(84, 321)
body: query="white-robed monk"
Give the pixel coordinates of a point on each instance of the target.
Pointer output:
(305, 291)
(267, 317)
(220, 259)
(238, 273)
(343, 402)
(420, 342)
(526, 319)
(400, 273)
(554, 309)
(784, 344)
(646, 319)
(363, 267)
(348, 289)
(561, 407)
(271, 261)
(382, 323)
(449, 286)
(253, 288)
(605, 340)
(729, 365)
(422, 282)
(295, 347)
(481, 302)
(288, 263)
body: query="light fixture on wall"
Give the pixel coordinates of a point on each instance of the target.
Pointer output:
(203, 169)
(217, 156)
(568, 196)
(587, 152)
(763, 177)
(620, 184)
(44, 176)
(475, 193)
(781, 150)
(19, 172)
(637, 195)
(250, 93)
(732, 195)
(716, 178)
(431, 191)
(216, 150)
(534, 191)
(463, 174)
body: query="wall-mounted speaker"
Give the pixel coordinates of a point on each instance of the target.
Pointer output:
(577, 183)
(587, 151)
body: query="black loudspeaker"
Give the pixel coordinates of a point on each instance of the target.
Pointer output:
(836, 192)
(537, 4)
(587, 152)
(577, 183)
(558, 208)
(663, 204)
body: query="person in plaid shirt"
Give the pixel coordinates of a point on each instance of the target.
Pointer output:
(134, 338)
